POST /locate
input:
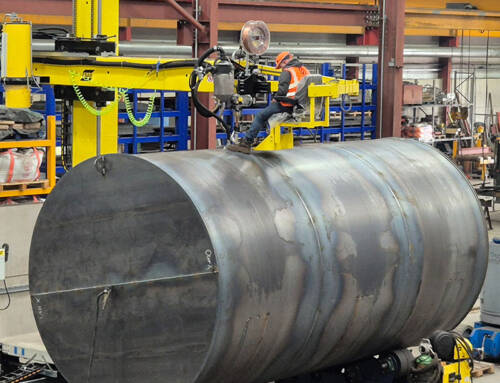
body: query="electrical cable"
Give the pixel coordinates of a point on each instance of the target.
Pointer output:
(122, 64)
(342, 107)
(208, 52)
(130, 112)
(65, 128)
(86, 105)
(463, 343)
(195, 81)
(486, 117)
(203, 110)
(486, 79)
(49, 33)
(8, 296)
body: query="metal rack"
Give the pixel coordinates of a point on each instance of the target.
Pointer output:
(365, 127)
(181, 113)
(132, 144)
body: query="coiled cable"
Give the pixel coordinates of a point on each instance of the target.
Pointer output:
(109, 107)
(86, 105)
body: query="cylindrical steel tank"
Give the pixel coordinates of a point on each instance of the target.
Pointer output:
(227, 267)
(490, 298)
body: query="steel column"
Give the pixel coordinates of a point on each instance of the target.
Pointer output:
(353, 71)
(185, 35)
(203, 132)
(447, 67)
(186, 14)
(446, 63)
(126, 31)
(391, 48)
(369, 38)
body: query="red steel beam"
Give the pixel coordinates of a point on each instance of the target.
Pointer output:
(446, 63)
(186, 14)
(272, 12)
(42, 7)
(390, 90)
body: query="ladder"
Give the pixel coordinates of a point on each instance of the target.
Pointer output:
(21, 374)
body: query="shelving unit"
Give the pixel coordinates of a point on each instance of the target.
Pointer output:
(181, 113)
(364, 107)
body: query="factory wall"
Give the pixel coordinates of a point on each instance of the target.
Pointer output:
(16, 226)
(481, 97)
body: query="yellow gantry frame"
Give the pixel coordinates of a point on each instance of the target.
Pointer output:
(331, 88)
(175, 79)
(92, 18)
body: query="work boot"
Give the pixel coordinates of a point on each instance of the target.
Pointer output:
(244, 146)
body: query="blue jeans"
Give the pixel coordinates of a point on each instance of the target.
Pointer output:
(259, 123)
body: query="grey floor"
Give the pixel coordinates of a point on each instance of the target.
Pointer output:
(474, 314)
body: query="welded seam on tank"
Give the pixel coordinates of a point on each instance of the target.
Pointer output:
(320, 251)
(318, 243)
(471, 187)
(407, 229)
(121, 284)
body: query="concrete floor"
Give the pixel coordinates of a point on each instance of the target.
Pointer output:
(16, 225)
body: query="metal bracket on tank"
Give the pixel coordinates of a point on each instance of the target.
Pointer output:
(100, 165)
(211, 261)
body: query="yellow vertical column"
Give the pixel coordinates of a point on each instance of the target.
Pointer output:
(93, 17)
(16, 69)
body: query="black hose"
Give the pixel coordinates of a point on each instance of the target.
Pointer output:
(204, 56)
(342, 107)
(124, 64)
(462, 342)
(202, 109)
(194, 84)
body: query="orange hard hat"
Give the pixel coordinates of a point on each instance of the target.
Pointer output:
(282, 56)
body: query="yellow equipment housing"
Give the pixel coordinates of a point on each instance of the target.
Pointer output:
(461, 369)
(16, 62)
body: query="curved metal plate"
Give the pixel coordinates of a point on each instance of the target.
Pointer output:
(135, 230)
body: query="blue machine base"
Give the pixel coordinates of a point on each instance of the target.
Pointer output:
(487, 336)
